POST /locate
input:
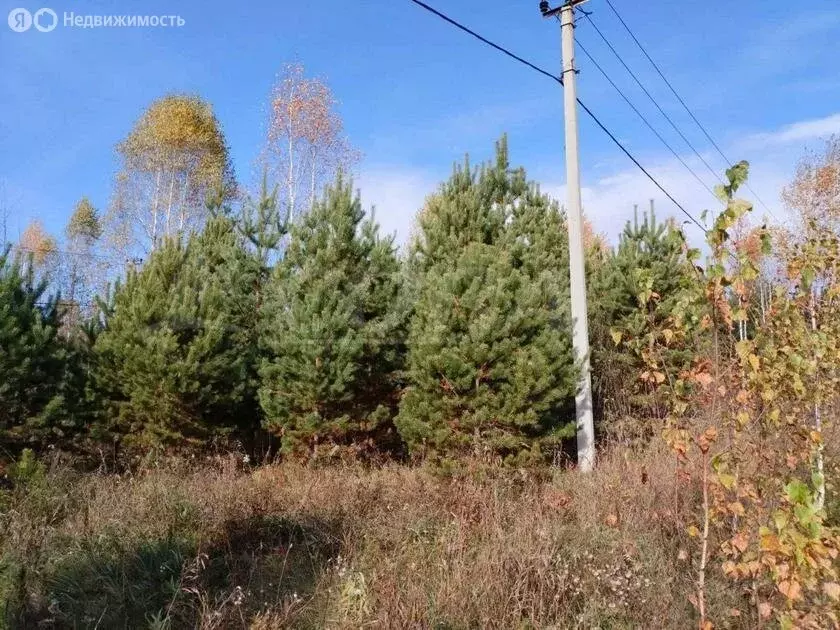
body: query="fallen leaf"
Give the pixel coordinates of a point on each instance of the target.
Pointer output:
(765, 610)
(790, 589)
(741, 542)
(736, 508)
(832, 589)
(704, 378)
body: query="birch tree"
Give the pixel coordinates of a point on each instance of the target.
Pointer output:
(39, 250)
(83, 266)
(173, 158)
(305, 145)
(809, 250)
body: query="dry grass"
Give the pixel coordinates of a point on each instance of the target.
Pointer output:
(218, 545)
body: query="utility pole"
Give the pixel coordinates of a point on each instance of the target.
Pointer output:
(574, 219)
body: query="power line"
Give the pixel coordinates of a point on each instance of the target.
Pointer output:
(653, 99)
(680, 99)
(487, 41)
(641, 168)
(644, 119)
(579, 101)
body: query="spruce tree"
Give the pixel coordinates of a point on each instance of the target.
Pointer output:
(490, 366)
(175, 356)
(332, 332)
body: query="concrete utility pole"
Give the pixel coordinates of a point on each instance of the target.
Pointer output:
(574, 219)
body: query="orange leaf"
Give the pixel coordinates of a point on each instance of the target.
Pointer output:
(736, 508)
(741, 541)
(790, 589)
(770, 543)
(765, 610)
(704, 378)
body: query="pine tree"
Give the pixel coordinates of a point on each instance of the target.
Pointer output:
(175, 358)
(469, 208)
(263, 225)
(84, 224)
(31, 356)
(635, 289)
(490, 364)
(332, 333)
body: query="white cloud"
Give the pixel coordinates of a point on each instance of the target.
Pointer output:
(767, 50)
(397, 194)
(798, 132)
(608, 202)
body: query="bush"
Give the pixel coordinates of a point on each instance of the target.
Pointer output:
(212, 545)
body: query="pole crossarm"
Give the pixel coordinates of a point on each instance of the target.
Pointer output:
(548, 12)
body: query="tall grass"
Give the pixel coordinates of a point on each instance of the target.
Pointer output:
(216, 544)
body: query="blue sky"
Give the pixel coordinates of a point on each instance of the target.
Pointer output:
(417, 95)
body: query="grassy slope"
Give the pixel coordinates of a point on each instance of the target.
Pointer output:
(216, 545)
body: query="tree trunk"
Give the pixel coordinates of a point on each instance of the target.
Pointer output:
(819, 464)
(155, 203)
(182, 210)
(291, 178)
(312, 166)
(169, 206)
